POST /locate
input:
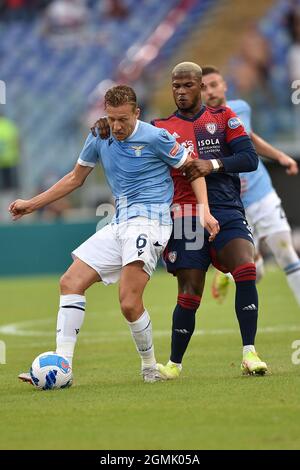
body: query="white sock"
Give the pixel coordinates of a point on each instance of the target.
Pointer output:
(69, 320)
(293, 279)
(281, 245)
(141, 331)
(248, 348)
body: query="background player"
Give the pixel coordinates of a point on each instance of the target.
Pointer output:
(135, 159)
(263, 207)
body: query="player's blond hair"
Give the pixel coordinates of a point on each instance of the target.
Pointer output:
(119, 95)
(187, 67)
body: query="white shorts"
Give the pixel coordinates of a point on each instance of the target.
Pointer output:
(116, 245)
(267, 217)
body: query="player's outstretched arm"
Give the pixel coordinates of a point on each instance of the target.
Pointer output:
(64, 186)
(265, 149)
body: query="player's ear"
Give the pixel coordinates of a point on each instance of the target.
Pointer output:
(225, 86)
(137, 112)
(203, 87)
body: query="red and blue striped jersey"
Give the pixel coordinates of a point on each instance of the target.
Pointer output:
(212, 134)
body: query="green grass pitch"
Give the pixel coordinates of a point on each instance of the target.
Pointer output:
(211, 406)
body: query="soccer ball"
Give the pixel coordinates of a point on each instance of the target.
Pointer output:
(50, 370)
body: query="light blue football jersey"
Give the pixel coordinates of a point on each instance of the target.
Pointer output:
(258, 182)
(137, 170)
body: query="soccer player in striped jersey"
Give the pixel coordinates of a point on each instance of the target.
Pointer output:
(263, 207)
(221, 149)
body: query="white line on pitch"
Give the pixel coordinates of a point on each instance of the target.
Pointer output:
(19, 329)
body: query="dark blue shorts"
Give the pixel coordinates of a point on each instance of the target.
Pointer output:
(233, 224)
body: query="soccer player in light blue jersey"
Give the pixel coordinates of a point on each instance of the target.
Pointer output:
(136, 160)
(263, 207)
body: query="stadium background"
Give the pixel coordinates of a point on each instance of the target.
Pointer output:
(57, 58)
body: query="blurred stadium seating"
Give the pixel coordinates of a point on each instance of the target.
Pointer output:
(49, 79)
(53, 75)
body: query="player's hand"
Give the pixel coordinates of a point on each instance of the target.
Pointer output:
(19, 208)
(197, 168)
(211, 225)
(103, 128)
(290, 164)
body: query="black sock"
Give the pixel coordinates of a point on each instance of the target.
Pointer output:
(246, 301)
(183, 326)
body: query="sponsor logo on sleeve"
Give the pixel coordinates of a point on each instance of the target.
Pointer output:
(174, 150)
(234, 123)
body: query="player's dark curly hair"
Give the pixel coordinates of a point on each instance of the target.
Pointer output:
(119, 95)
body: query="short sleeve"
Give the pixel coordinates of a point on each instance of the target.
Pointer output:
(170, 151)
(234, 126)
(89, 154)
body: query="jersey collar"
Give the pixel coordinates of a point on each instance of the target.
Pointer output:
(130, 136)
(134, 130)
(194, 118)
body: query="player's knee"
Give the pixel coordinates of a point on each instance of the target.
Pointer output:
(191, 289)
(191, 283)
(65, 283)
(69, 284)
(131, 308)
(240, 259)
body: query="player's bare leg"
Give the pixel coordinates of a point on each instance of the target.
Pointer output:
(132, 285)
(73, 285)
(238, 257)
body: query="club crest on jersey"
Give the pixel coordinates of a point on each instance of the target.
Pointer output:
(172, 256)
(138, 149)
(211, 127)
(234, 122)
